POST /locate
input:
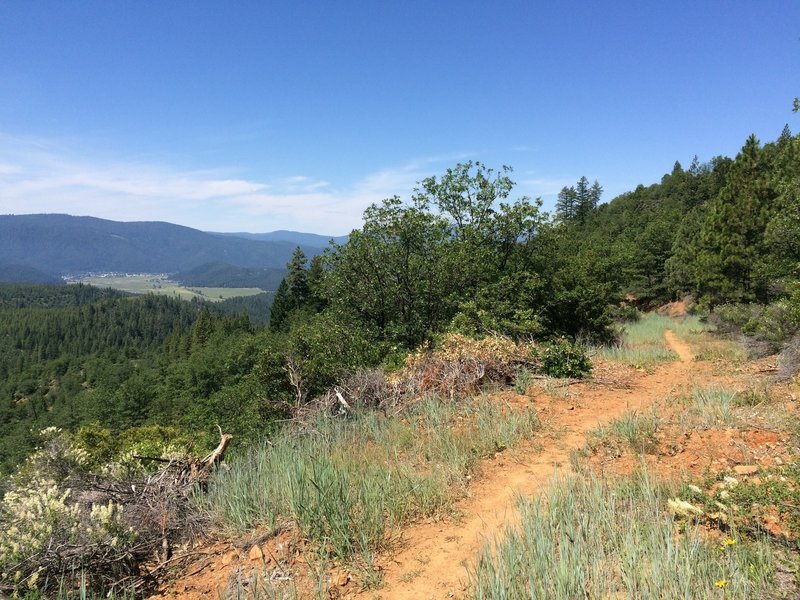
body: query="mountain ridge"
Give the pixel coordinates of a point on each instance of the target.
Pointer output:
(58, 244)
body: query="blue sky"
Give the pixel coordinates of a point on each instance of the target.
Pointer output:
(257, 116)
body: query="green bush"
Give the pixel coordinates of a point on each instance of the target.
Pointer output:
(324, 348)
(732, 316)
(564, 358)
(625, 313)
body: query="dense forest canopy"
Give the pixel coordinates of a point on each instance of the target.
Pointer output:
(463, 254)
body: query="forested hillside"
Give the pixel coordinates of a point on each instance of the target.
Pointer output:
(221, 274)
(58, 244)
(725, 231)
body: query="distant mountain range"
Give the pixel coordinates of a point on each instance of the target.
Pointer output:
(35, 248)
(296, 237)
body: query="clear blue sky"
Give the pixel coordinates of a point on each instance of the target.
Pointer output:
(263, 115)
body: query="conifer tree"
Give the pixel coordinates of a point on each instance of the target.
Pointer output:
(576, 203)
(732, 238)
(292, 292)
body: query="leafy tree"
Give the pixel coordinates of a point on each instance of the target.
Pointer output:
(393, 274)
(414, 266)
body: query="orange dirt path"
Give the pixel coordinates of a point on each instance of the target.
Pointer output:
(433, 558)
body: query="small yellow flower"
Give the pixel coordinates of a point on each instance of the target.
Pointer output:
(721, 583)
(728, 542)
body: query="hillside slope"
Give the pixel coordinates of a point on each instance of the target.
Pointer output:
(56, 243)
(295, 237)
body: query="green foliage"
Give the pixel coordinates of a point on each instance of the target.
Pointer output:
(460, 257)
(292, 294)
(225, 275)
(514, 306)
(576, 203)
(563, 359)
(256, 308)
(625, 313)
(156, 440)
(73, 355)
(98, 443)
(323, 348)
(394, 275)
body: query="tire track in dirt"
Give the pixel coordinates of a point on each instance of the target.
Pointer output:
(433, 558)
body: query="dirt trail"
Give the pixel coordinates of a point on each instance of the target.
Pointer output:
(432, 560)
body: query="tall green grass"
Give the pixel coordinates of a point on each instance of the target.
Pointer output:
(642, 344)
(346, 483)
(587, 538)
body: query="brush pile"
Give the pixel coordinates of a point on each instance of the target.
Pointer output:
(63, 527)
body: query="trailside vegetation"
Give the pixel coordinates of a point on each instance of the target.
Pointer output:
(460, 286)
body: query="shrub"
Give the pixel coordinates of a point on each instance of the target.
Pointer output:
(765, 330)
(731, 318)
(323, 349)
(789, 360)
(459, 365)
(64, 527)
(625, 313)
(50, 526)
(564, 359)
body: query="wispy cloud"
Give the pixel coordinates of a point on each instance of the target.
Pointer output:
(38, 175)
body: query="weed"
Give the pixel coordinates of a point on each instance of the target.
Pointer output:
(637, 431)
(523, 381)
(260, 585)
(777, 489)
(410, 576)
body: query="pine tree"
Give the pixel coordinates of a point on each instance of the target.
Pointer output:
(293, 291)
(576, 203)
(566, 204)
(732, 237)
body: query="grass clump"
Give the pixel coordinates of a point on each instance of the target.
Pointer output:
(347, 483)
(710, 407)
(597, 539)
(634, 430)
(720, 407)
